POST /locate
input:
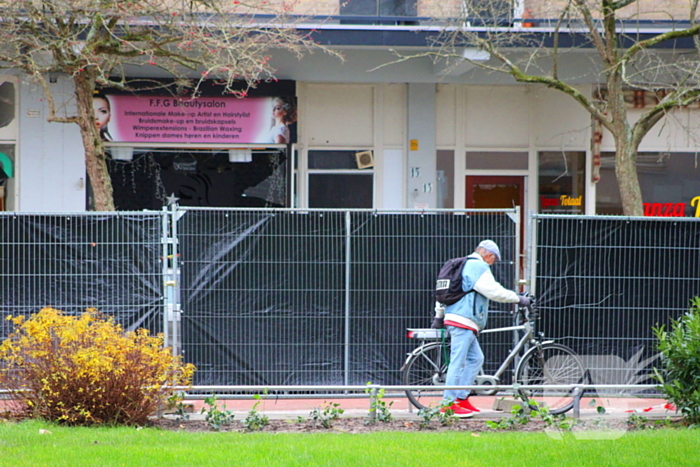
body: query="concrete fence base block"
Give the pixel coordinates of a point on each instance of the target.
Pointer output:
(506, 404)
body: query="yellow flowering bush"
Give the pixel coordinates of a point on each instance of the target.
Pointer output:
(86, 370)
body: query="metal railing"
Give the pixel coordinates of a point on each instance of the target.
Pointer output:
(375, 392)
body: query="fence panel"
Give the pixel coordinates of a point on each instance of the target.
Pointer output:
(262, 296)
(108, 261)
(604, 282)
(395, 258)
(318, 297)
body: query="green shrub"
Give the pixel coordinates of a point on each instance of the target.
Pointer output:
(215, 417)
(680, 358)
(428, 414)
(255, 421)
(327, 416)
(86, 370)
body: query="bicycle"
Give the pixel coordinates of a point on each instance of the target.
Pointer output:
(542, 362)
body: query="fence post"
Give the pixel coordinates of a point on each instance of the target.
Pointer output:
(171, 280)
(578, 392)
(348, 259)
(165, 251)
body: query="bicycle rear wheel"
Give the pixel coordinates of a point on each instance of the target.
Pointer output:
(426, 366)
(550, 364)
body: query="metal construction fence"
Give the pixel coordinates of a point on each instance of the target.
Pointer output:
(109, 261)
(319, 297)
(605, 282)
(324, 297)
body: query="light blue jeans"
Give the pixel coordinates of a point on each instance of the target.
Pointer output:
(466, 359)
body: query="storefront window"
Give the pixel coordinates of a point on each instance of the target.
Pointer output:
(497, 160)
(144, 178)
(341, 179)
(561, 182)
(378, 8)
(7, 151)
(7, 156)
(670, 184)
(445, 168)
(7, 103)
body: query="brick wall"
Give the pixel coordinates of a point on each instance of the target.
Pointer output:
(640, 9)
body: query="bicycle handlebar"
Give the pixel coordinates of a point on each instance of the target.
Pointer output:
(528, 313)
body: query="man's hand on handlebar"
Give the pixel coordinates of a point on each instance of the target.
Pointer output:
(524, 301)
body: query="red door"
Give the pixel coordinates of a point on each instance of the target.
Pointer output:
(488, 192)
(496, 192)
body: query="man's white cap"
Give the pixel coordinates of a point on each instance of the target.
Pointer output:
(490, 245)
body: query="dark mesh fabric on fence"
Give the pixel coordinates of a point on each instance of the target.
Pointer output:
(262, 296)
(395, 260)
(603, 283)
(318, 297)
(111, 262)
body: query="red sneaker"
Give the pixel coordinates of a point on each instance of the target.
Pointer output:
(465, 404)
(457, 411)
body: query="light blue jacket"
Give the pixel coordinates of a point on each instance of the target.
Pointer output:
(472, 306)
(472, 310)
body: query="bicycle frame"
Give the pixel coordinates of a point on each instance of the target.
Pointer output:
(529, 337)
(535, 361)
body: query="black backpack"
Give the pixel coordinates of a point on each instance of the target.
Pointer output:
(448, 288)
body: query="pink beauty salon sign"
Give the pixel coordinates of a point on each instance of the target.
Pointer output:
(164, 119)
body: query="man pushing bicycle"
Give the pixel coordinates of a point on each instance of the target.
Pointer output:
(464, 319)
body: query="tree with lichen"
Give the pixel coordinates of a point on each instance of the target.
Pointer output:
(663, 63)
(95, 42)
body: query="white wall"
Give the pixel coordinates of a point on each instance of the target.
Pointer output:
(678, 131)
(559, 122)
(50, 157)
(357, 116)
(497, 117)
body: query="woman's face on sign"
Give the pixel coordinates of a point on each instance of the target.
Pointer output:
(277, 110)
(102, 111)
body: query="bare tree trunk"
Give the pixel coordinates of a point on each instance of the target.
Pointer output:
(95, 160)
(626, 145)
(627, 180)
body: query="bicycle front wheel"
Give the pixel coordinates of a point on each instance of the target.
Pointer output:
(426, 366)
(550, 364)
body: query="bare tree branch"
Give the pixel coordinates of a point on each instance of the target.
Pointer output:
(597, 39)
(656, 40)
(626, 57)
(621, 4)
(94, 41)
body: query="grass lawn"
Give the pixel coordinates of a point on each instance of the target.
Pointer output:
(22, 444)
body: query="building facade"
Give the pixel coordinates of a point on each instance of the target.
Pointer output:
(368, 131)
